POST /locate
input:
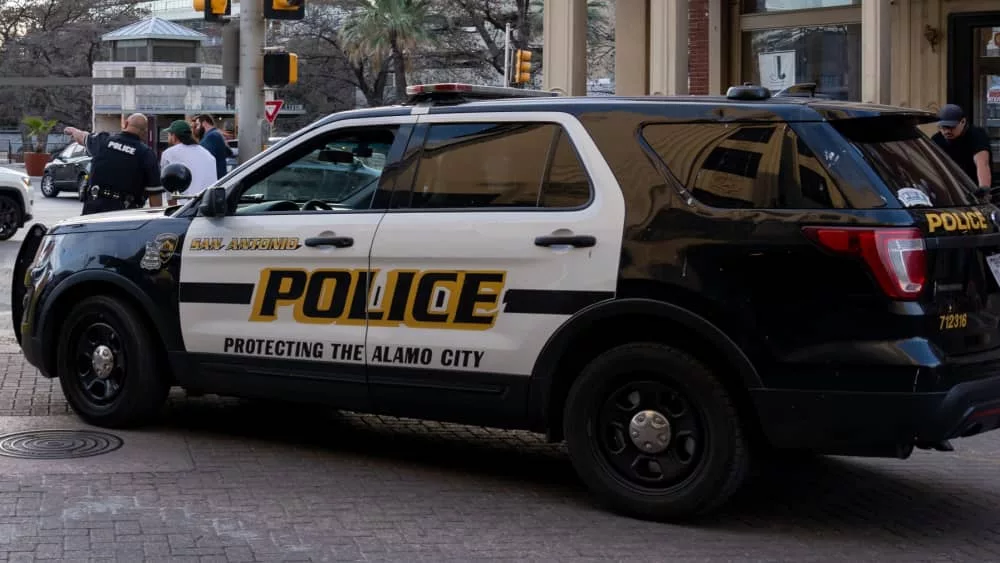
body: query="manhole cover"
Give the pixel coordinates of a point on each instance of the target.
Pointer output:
(57, 444)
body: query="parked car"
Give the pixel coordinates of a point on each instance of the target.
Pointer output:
(68, 170)
(16, 201)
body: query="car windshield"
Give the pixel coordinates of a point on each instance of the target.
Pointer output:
(912, 166)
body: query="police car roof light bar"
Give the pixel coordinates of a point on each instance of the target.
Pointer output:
(446, 91)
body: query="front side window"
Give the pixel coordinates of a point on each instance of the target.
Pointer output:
(498, 165)
(339, 170)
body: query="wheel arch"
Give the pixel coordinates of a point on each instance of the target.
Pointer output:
(637, 304)
(96, 282)
(15, 193)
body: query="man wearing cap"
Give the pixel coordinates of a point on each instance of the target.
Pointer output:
(185, 150)
(966, 144)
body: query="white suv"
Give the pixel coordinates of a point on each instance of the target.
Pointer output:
(16, 201)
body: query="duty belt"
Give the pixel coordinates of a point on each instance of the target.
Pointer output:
(97, 192)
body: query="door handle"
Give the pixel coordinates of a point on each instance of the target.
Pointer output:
(339, 242)
(579, 241)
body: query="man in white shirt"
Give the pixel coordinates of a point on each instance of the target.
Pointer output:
(185, 150)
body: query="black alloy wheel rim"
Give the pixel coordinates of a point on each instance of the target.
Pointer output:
(650, 435)
(8, 216)
(100, 380)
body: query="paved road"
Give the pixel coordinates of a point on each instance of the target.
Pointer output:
(227, 480)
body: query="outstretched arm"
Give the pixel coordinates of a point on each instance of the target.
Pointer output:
(78, 135)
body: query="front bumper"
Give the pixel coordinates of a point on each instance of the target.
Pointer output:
(876, 423)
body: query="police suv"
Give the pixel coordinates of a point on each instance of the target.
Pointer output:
(667, 284)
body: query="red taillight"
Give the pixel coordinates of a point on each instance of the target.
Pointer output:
(897, 257)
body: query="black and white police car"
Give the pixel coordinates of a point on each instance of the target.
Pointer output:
(668, 284)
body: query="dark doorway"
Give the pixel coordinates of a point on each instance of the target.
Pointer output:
(974, 72)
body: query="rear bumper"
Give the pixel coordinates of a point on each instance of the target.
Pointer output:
(874, 423)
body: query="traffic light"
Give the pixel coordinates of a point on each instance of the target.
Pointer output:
(284, 9)
(522, 66)
(214, 9)
(281, 69)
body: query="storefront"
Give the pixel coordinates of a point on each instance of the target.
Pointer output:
(913, 53)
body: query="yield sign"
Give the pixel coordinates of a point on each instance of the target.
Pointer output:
(271, 109)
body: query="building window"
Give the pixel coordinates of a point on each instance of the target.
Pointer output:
(760, 6)
(786, 42)
(829, 56)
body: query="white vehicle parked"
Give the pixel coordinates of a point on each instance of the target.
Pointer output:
(16, 201)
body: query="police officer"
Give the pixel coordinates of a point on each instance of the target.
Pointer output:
(123, 168)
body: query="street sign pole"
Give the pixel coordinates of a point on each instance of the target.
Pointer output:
(251, 99)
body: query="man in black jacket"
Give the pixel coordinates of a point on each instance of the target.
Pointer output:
(966, 144)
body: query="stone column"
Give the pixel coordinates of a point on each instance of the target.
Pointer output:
(876, 54)
(564, 58)
(632, 47)
(668, 47)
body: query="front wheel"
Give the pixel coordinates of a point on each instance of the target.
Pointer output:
(48, 187)
(10, 217)
(654, 434)
(106, 364)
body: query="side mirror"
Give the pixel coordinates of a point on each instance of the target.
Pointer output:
(213, 203)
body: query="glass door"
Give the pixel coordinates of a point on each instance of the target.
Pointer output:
(974, 73)
(986, 80)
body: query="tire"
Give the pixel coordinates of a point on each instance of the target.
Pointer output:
(10, 217)
(48, 187)
(81, 187)
(138, 387)
(706, 456)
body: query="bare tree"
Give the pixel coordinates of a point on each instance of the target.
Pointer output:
(54, 38)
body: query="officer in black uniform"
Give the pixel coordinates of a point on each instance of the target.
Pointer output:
(123, 170)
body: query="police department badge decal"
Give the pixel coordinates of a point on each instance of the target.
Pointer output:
(159, 251)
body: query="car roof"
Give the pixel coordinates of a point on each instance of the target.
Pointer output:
(694, 107)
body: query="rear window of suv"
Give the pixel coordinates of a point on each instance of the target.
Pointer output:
(914, 169)
(807, 165)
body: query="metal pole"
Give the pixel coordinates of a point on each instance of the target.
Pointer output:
(250, 106)
(506, 55)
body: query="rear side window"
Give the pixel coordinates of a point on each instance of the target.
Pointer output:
(915, 170)
(498, 165)
(745, 166)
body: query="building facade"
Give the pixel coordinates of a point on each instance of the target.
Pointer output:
(912, 53)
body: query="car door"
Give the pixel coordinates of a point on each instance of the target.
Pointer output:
(502, 227)
(64, 167)
(272, 295)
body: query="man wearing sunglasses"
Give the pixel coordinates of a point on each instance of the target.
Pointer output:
(966, 144)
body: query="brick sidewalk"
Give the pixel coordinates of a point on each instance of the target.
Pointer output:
(228, 480)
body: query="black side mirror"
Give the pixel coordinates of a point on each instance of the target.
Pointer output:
(213, 203)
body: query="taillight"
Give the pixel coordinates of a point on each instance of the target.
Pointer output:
(896, 257)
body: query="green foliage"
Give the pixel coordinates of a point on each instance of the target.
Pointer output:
(39, 129)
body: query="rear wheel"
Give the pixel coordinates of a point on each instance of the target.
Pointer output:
(48, 187)
(10, 216)
(106, 364)
(654, 434)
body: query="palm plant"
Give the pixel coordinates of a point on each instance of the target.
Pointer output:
(39, 129)
(386, 28)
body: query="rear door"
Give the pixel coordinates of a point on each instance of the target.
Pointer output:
(502, 227)
(961, 235)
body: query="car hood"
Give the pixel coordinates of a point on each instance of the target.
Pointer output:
(9, 176)
(126, 220)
